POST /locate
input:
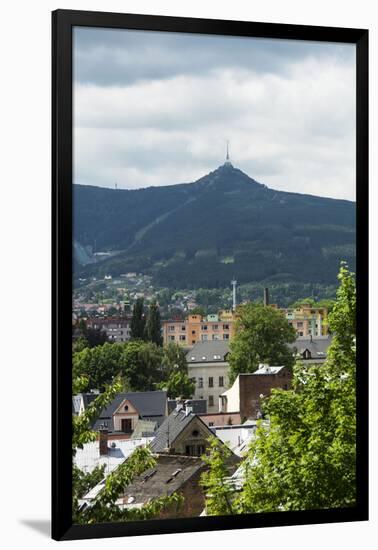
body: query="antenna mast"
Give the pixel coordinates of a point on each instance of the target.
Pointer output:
(233, 283)
(228, 162)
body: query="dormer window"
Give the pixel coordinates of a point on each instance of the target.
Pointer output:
(126, 407)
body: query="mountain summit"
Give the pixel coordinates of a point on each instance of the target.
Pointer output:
(201, 234)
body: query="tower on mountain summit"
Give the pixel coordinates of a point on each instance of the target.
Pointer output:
(228, 162)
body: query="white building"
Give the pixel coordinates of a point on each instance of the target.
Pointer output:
(208, 366)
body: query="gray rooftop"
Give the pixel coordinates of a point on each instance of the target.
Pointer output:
(318, 347)
(171, 428)
(210, 351)
(169, 474)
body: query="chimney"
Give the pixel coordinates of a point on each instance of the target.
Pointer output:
(188, 408)
(179, 404)
(103, 440)
(266, 296)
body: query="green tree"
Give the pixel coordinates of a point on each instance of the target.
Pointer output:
(138, 321)
(93, 337)
(262, 335)
(79, 344)
(306, 458)
(137, 362)
(178, 385)
(153, 325)
(99, 364)
(173, 359)
(141, 365)
(220, 494)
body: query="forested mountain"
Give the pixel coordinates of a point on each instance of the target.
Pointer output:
(202, 234)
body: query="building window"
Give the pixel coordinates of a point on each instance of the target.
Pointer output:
(211, 382)
(211, 401)
(171, 328)
(226, 327)
(200, 382)
(171, 338)
(216, 337)
(193, 331)
(226, 336)
(194, 450)
(215, 327)
(211, 424)
(182, 337)
(221, 382)
(300, 333)
(204, 327)
(204, 337)
(299, 324)
(182, 327)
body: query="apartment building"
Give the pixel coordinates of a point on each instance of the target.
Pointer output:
(308, 320)
(196, 328)
(117, 328)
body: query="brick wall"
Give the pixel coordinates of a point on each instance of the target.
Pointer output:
(252, 386)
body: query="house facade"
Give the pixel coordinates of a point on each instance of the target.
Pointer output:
(123, 415)
(208, 367)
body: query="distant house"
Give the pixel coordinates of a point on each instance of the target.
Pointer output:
(247, 391)
(208, 367)
(117, 329)
(312, 350)
(123, 414)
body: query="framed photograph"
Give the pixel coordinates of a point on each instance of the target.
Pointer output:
(210, 274)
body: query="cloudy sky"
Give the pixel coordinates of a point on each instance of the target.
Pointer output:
(157, 108)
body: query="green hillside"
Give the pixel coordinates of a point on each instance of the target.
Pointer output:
(204, 233)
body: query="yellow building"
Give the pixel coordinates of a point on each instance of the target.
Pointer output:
(196, 328)
(308, 320)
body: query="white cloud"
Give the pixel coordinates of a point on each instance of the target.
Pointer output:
(293, 130)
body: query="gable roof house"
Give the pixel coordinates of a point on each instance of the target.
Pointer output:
(182, 433)
(122, 416)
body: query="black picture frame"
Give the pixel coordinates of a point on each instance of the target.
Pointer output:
(62, 23)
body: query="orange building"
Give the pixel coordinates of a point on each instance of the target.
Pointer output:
(196, 328)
